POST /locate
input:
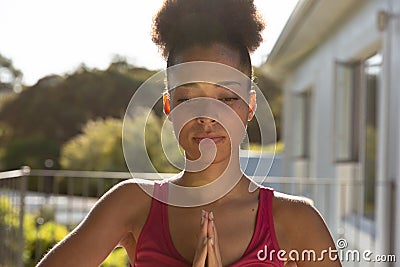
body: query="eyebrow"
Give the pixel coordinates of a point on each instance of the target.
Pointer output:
(220, 84)
(227, 83)
(189, 85)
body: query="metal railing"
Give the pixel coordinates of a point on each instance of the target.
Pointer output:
(65, 197)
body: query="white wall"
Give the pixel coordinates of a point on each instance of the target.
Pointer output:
(393, 37)
(357, 38)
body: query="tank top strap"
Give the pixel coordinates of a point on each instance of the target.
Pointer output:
(159, 197)
(160, 192)
(153, 247)
(267, 195)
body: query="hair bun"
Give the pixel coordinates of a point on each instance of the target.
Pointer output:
(185, 22)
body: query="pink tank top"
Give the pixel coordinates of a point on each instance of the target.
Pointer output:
(154, 246)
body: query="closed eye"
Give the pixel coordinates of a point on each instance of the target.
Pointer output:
(224, 99)
(180, 100)
(228, 99)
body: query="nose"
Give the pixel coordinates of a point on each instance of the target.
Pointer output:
(205, 120)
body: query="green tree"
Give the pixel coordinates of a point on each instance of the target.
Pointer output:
(117, 258)
(10, 76)
(155, 145)
(35, 124)
(41, 238)
(271, 90)
(97, 148)
(30, 150)
(55, 109)
(9, 225)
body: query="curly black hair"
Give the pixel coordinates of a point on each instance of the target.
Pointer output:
(181, 24)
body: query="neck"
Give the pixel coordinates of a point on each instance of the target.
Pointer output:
(217, 183)
(225, 168)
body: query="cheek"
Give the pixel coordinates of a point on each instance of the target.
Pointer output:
(236, 124)
(182, 131)
(242, 111)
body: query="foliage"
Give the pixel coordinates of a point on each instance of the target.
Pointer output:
(9, 225)
(116, 258)
(41, 238)
(10, 76)
(10, 84)
(30, 150)
(278, 147)
(41, 119)
(38, 238)
(7, 63)
(273, 94)
(55, 109)
(134, 140)
(99, 147)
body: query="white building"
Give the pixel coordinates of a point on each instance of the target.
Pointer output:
(339, 62)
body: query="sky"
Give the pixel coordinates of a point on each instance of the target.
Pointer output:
(44, 37)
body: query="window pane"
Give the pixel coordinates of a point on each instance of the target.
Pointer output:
(344, 99)
(302, 124)
(372, 71)
(298, 126)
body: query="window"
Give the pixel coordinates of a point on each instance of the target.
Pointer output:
(302, 123)
(356, 92)
(372, 68)
(347, 95)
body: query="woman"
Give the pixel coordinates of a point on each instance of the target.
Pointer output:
(240, 228)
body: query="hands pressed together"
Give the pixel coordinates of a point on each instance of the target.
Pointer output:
(207, 251)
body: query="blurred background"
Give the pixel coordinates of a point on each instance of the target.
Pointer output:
(329, 70)
(64, 65)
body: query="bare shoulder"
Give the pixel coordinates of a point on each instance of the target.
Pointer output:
(127, 203)
(289, 208)
(291, 198)
(300, 226)
(132, 196)
(138, 188)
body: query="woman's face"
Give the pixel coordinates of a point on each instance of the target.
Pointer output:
(193, 131)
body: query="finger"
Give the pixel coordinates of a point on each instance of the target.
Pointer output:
(201, 250)
(216, 239)
(200, 255)
(203, 226)
(212, 229)
(212, 258)
(213, 247)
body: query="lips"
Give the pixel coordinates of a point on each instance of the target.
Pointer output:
(215, 138)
